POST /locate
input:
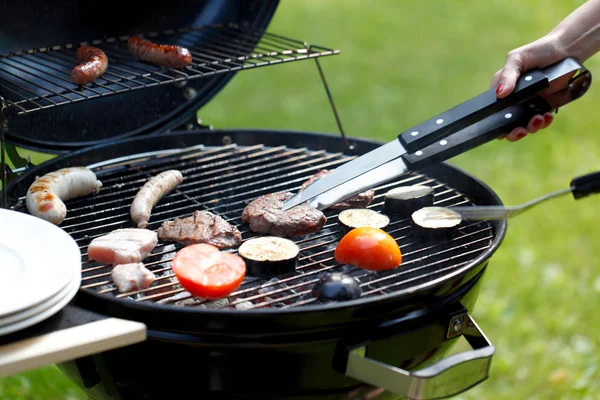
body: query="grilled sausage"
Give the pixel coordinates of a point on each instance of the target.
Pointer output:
(162, 55)
(45, 197)
(93, 64)
(152, 191)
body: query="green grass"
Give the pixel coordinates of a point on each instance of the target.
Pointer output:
(402, 62)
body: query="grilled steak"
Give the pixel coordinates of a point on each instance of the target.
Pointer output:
(360, 200)
(201, 227)
(265, 215)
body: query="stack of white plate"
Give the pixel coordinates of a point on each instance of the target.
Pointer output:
(40, 270)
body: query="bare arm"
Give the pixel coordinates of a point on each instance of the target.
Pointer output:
(578, 36)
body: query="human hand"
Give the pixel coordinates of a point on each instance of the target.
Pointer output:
(539, 54)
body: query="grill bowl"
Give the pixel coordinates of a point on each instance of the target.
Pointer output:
(304, 337)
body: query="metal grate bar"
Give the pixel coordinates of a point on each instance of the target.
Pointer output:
(223, 180)
(196, 190)
(391, 231)
(66, 60)
(127, 200)
(48, 64)
(235, 190)
(37, 79)
(222, 50)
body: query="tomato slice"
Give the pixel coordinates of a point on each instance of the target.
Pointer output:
(206, 272)
(369, 248)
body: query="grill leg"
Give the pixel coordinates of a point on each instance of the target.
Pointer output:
(335, 113)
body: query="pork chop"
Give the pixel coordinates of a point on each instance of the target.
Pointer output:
(361, 200)
(265, 215)
(123, 246)
(201, 227)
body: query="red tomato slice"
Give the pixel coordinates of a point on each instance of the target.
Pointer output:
(369, 248)
(206, 272)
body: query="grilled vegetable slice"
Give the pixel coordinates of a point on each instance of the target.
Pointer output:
(435, 223)
(369, 248)
(205, 271)
(403, 201)
(268, 256)
(336, 286)
(360, 217)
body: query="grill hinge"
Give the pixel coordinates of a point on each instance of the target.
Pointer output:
(195, 123)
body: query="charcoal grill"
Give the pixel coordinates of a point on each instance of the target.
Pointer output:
(125, 128)
(277, 318)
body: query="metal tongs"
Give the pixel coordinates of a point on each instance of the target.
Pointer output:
(462, 128)
(581, 186)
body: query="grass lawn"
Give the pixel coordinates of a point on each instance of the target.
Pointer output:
(402, 62)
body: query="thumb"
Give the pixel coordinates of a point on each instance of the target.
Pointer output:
(507, 77)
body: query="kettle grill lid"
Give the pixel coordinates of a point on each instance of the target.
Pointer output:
(45, 24)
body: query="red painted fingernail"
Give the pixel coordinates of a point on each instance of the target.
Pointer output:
(521, 135)
(499, 88)
(538, 123)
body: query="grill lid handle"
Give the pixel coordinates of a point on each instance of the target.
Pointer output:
(445, 378)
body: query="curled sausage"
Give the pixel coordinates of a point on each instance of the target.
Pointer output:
(93, 64)
(163, 55)
(152, 191)
(45, 197)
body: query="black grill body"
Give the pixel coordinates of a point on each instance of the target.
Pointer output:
(34, 24)
(301, 348)
(270, 366)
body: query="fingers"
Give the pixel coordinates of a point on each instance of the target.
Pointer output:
(540, 53)
(507, 76)
(548, 118)
(516, 134)
(496, 79)
(537, 123)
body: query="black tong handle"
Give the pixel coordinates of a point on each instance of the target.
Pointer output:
(471, 112)
(477, 134)
(585, 185)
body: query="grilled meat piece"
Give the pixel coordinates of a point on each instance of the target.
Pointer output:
(265, 215)
(123, 246)
(133, 276)
(160, 54)
(201, 227)
(360, 200)
(93, 64)
(151, 193)
(46, 196)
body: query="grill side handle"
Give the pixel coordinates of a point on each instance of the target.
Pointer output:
(444, 378)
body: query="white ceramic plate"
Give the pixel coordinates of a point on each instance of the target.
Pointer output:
(57, 304)
(37, 260)
(43, 306)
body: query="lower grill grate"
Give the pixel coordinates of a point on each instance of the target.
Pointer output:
(224, 180)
